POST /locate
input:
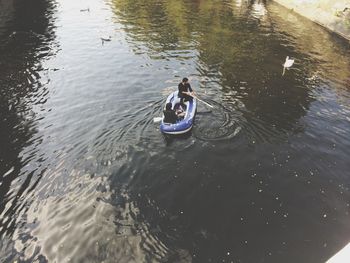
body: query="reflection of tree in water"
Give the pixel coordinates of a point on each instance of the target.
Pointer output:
(238, 54)
(159, 25)
(27, 39)
(241, 56)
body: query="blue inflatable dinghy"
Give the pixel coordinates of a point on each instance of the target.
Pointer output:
(184, 124)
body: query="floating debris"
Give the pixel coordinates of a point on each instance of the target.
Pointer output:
(13, 34)
(85, 10)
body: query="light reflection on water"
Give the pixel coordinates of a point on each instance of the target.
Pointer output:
(88, 177)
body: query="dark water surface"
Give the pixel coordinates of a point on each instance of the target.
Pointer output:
(86, 176)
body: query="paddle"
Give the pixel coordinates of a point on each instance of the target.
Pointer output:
(193, 96)
(157, 119)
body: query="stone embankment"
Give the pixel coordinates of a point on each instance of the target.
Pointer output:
(334, 15)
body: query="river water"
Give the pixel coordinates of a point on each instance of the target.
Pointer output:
(86, 176)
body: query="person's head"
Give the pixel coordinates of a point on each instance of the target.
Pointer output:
(185, 80)
(168, 106)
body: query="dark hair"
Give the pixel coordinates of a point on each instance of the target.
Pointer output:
(184, 79)
(168, 106)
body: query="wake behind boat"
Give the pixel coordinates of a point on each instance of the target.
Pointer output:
(183, 124)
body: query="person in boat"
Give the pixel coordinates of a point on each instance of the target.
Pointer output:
(185, 90)
(170, 115)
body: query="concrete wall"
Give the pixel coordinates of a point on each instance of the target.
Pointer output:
(332, 14)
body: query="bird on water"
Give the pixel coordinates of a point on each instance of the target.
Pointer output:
(289, 62)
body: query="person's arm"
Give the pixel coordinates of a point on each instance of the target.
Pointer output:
(191, 92)
(181, 114)
(190, 88)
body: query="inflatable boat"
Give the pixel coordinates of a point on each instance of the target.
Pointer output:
(183, 124)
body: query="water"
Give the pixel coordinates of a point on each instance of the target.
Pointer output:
(86, 176)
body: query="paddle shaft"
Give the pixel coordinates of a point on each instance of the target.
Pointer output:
(211, 106)
(193, 96)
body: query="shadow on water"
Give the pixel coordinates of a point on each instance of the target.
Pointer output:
(24, 42)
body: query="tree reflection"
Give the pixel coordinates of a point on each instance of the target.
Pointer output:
(238, 52)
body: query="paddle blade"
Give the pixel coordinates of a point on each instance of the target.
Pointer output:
(157, 119)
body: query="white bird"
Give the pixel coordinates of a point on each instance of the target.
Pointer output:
(287, 64)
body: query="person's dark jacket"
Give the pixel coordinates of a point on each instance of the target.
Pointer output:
(170, 116)
(184, 87)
